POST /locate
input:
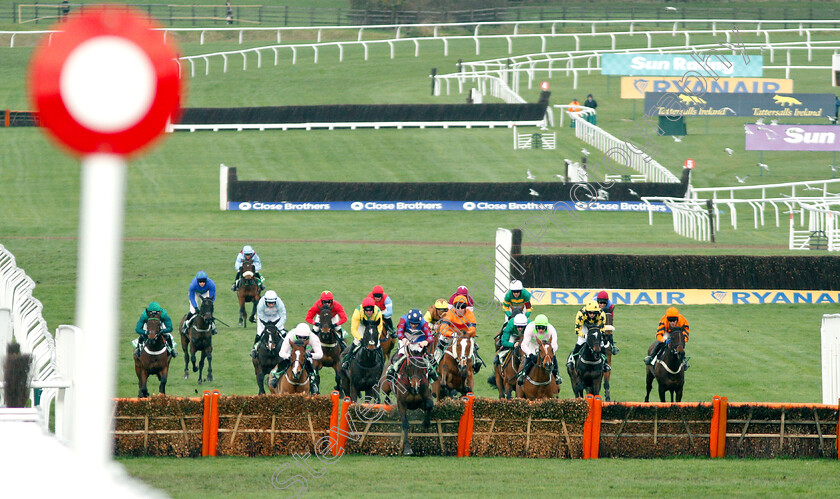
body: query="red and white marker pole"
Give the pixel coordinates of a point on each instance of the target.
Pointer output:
(105, 87)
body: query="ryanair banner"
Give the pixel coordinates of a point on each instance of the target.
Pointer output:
(731, 104)
(651, 64)
(551, 296)
(634, 87)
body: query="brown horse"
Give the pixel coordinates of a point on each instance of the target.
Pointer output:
(154, 358)
(298, 381)
(248, 290)
(669, 369)
(588, 369)
(456, 368)
(199, 336)
(332, 345)
(268, 353)
(539, 382)
(505, 373)
(411, 385)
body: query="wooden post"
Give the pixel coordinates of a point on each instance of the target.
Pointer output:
(205, 425)
(714, 427)
(722, 418)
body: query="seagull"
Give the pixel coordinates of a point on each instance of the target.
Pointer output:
(633, 193)
(584, 152)
(774, 122)
(561, 177)
(728, 151)
(533, 192)
(812, 188)
(831, 119)
(530, 175)
(748, 131)
(741, 180)
(759, 121)
(833, 168)
(762, 165)
(676, 139)
(674, 9)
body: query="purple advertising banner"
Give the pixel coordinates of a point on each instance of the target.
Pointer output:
(792, 137)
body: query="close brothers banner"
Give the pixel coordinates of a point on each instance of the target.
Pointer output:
(634, 87)
(448, 206)
(792, 137)
(732, 104)
(681, 64)
(579, 297)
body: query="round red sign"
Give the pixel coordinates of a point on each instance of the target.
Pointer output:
(105, 82)
(689, 163)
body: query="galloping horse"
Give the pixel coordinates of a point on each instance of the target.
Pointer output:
(248, 291)
(413, 392)
(514, 311)
(669, 371)
(199, 336)
(456, 368)
(539, 382)
(366, 366)
(506, 372)
(154, 358)
(296, 383)
(330, 344)
(588, 369)
(268, 353)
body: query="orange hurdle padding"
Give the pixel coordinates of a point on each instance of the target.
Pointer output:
(714, 427)
(336, 401)
(595, 435)
(214, 421)
(7, 121)
(462, 426)
(722, 419)
(470, 421)
(587, 427)
(343, 426)
(205, 425)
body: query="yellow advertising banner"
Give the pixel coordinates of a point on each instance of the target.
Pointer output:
(634, 87)
(553, 296)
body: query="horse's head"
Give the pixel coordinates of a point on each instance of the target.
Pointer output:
(153, 326)
(545, 356)
(462, 349)
(325, 325)
(247, 268)
(416, 372)
(298, 357)
(516, 310)
(593, 338)
(676, 341)
(370, 337)
(205, 311)
(271, 335)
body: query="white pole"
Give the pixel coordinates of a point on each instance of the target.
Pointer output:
(97, 302)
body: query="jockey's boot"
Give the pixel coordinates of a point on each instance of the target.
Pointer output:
(256, 344)
(492, 380)
(571, 362)
(169, 345)
(433, 374)
(555, 371)
(685, 364)
(650, 358)
(235, 282)
(614, 349)
(345, 361)
(273, 379)
(529, 363)
(389, 326)
(141, 340)
(478, 365)
(394, 368)
(607, 367)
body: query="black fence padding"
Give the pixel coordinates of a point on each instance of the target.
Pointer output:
(680, 271)
(361, 113)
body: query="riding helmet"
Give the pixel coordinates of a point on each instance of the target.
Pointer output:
(247, 250)
(377, 290)
(326, 295)
(541, 320)
(520, 320)
(441, 304)
(271, 296)
(592, 306)
(368, 302)
(516, 285)
(201, 275)
(414, 316)
(603, 295)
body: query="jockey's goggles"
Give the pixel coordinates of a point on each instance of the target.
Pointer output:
(603, 302)
(672, 319)
(516, 291)
(460, 306)
(542, 328)
(442, 310)
(591, 312)
(326, 302)
(377, 296)
(202, 281)
(368, 309)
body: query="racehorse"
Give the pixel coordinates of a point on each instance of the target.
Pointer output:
(248, 291)
(331, 344)
(669, 370)
(296, 383)
(413, 392)
(268, 353)
(387, 343)
(456, 368)
(588, 369)
(366, 366)
(199, 336)
(607, 347)
(514, 311)
(154, 358)
(539, 382)
(506, 371)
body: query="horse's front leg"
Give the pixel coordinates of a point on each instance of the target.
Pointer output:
(662, 390)
(427, 420)
(261, 381)
(209, 351)
(679, 394)
(407, 451)
(607, 386)
(200, 367)
(648, 384)
(253, 311)
(242, 314)
(142, 379)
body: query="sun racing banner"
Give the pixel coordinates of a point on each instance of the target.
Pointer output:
(579, 297)
(649, 64)
(634, 87)
(792, 137)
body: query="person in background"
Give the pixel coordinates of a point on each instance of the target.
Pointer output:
(573, 109)
(591, 102)
(462, 290)
(671, 323)
(200, 287)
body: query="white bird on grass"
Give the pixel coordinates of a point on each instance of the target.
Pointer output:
(633, 193)
(833, 168)
(759, 121)
(762, 165)
(741, 180)
(673, 9)
(831, 119)
(584, 152)
(676, 139)
(561, 177)
(747, 131)
(533, 192)
(728, 151)
(774, 122)
(812, 188)
(530, 175)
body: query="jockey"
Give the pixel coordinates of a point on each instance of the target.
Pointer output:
(513, 328)
(369, 312)
(517, 297)
(200, 287)
(412, 329)
(608, 308)
(589, 315)
(462, 290)
(436, 312)
(459, 320)
(385, 305)
(672, 322)
(154, 310)
(248, 254)
(326, 300)
(269, 309)
(538, 331)
(300, 332)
